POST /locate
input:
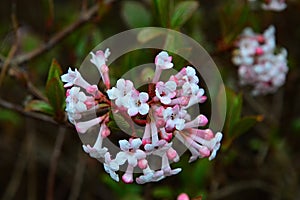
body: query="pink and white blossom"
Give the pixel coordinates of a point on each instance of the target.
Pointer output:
(274, 5)
(130, 153)
(162, 61)
(111, 167)
(262, 68)
(99, 60)
(121, 93)
(165, 91)
(74, 78)
(97, 151)
(175, 118)
(138, 103)
(82, 127)
(162, 111)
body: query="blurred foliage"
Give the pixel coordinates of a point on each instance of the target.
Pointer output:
(261, 134)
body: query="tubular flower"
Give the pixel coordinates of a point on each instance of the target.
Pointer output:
(162, 114)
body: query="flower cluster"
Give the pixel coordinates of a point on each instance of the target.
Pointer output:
(162, 111)
(259, 66)
(273, 5)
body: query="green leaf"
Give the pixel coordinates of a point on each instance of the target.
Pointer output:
(120, 122)
(183, 11)
(163, 11)
(55, 91)
(135, 14)
(234, 106)
(39, 106)
(244, 125)
(56, 96)
(55, 70)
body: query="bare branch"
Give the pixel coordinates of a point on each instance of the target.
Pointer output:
(84, 17)
(34, 115)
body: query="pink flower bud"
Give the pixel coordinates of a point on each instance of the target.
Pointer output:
(143, 163)
(259, 51)
(204, 151)
(68, 92)
(171, 153)
(260, 39)
(127, 178)
(183, 196)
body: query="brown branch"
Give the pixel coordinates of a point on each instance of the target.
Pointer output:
(53, 163)
(34, 115)
(14, 47)
(23, 77)
(83, 18)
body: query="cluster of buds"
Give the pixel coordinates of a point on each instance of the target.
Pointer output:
(162, 111)
(259, 66)
(273, 5)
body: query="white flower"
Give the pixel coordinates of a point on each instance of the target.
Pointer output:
(74, 78)
(111, 166)
(75, 101)
(97, 151)
(138, 103)
(214, 145)
(199, 145)
(121, 92)
(163, 60)
(275, 5)
(174, 118)
(99, 60)
(94, 152)
(191, 76)
(82, 127)
(165, 91)
(130, 153)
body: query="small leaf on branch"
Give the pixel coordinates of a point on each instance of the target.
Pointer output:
(55, 70)
(39, 106)
(55, 91)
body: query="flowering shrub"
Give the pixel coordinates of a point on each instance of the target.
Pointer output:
(163, 111)
(259, 65)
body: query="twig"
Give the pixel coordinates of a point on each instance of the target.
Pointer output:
(14, 48)
(83, 18)
(34, 115)
(23, 77)
(78, 178)
(53, 163)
